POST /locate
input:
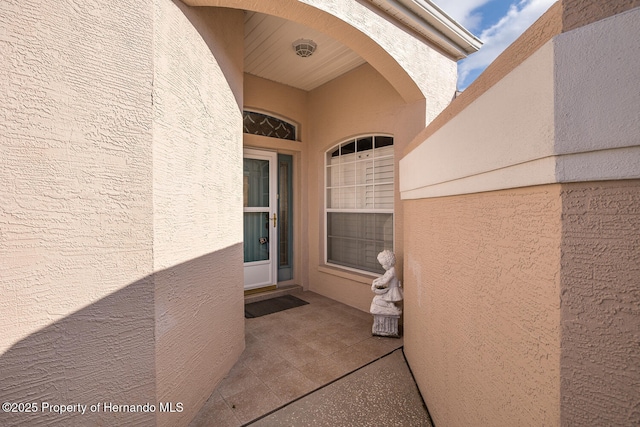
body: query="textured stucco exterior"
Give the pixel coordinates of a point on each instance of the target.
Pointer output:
(565, 114)
(482, 306)
(572, 242)
(540, 32)
(600, 291)
(120, 207)
(578, 13)
(121, 236)
(596, 69)
(477, 150)
(76, 254)
(197, 202)
(522, 306)
(388, 47)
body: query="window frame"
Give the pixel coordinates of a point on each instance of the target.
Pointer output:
(326, 210)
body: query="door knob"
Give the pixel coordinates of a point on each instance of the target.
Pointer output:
(274, 220)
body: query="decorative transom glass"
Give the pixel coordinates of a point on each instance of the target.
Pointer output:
(265, 125)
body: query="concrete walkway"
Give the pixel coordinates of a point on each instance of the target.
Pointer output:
(316, 365)
(382, 393)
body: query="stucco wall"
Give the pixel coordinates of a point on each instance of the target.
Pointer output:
(504, 138)
(280, 100)
(76, 297)
(578, 13)
(574, 246)
(120, 207)
(197, 189)
(388, 46)
(533, 38)
(482, 306)
(360, 102)
(596, 65)
(563, 114)
(435, 74)
(600, 288)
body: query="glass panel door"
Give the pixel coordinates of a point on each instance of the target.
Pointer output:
(260, 218)
(256, 223)
(285, 217)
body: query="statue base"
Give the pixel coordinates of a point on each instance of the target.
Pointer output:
(385, 325)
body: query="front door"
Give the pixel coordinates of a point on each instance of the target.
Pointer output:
(260, 218)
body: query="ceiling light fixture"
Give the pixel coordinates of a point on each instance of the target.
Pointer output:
(304, 47)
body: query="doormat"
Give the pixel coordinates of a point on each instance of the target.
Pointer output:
(273, 305)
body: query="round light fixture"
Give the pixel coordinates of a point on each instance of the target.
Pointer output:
(304, 47)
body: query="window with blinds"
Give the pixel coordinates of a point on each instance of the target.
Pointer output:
(359, 202)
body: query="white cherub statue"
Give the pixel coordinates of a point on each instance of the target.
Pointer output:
(387, 288)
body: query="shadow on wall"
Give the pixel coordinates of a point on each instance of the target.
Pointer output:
(105, 354)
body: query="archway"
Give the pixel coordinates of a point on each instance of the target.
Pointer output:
(332, 24)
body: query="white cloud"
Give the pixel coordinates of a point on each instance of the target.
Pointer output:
(500, 35)
(463, 11)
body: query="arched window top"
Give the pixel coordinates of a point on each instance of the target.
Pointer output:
(255, 123)
(361, 144)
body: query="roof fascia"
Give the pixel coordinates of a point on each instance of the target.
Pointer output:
(424, 17)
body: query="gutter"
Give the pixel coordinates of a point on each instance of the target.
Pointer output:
(431, 22)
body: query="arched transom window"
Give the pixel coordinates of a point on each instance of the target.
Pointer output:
(262, 124)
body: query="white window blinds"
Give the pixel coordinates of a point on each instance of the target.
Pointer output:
(359, 202)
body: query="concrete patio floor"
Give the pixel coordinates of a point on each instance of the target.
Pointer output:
(316, 361)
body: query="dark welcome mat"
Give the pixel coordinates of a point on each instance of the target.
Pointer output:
(273, 305)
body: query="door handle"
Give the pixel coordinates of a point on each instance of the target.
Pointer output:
(274, 220)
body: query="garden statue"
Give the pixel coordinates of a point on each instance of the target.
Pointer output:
(384, 307)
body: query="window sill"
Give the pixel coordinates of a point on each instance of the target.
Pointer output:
(348, 274)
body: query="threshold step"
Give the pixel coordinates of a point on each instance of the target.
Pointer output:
(278, 292)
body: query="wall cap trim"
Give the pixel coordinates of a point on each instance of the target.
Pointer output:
(603, 165)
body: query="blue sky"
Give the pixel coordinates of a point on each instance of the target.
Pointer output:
(496, 22)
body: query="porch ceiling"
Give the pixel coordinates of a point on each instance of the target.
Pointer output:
(269, 53)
